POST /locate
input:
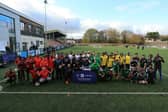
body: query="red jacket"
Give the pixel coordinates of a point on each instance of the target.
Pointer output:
(37, 61)
(44, 73)
(33, 73)
(44, 63)
(29, 63)
(51, 62)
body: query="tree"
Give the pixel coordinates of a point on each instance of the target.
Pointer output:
(164, 37)
(112, 35)
(136, 39)
(90, 35)
(101, 37)
(153, 35)
(125, 35)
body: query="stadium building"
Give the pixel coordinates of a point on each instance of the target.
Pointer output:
(19, 32)
(54, 38)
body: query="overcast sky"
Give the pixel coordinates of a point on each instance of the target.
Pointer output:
(139, 16)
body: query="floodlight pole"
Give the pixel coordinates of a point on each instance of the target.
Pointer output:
(45, 26)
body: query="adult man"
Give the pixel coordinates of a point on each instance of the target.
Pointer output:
(58, 67)
(143, 62)
(158, 60)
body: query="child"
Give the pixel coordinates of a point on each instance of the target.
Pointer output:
(29, 65)
(35, 77)
(116, 68)
(51, 66)
(68, 74)
(21, 69)
(11, 76)
(127, 60)
(141, 76)
(150, 72)
(43, 75)
(104, 59)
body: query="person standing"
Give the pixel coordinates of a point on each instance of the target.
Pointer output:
(158, 60)
(128, 61)
(149, 60)
(58, 67)
(29, 66)
(51, 60)
(143, 62)
(66, 66)
(104, 59)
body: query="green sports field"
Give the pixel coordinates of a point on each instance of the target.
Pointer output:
(83, 102)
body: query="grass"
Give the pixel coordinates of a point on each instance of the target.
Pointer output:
(93, 103)
(83, 103)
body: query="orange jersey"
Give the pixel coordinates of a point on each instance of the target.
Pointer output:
(44, 73)
(37, 61)
(44, 63)
(51, 62)
(33, 74)
(29, 63)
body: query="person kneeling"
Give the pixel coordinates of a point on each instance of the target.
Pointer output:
(10, 75)
(43, 76)
(141, 77)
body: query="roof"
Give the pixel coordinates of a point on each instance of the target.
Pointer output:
(19, 13)
(51, 31)
(57, 33)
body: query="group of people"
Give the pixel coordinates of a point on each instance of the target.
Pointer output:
(60, 66)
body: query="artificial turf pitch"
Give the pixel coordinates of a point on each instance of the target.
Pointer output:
(93, 103)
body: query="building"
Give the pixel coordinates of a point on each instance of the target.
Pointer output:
(54, 38)
(18, 31)
(70, 41)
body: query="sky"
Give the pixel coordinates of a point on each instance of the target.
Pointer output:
(139, 16)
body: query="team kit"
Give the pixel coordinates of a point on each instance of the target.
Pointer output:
(60, 66)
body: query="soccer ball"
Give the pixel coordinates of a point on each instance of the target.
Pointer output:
(15, 69)
(37, 84)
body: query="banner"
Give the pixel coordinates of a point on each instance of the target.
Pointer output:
(9, 57)
(84, 77)
(23, 54)
(38, 52)
(32, 53)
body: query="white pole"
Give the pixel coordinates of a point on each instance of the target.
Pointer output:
(45, 27)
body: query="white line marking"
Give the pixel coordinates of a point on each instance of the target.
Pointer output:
(85, 93)
(164, 74)
(4, 80)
